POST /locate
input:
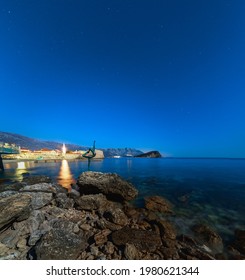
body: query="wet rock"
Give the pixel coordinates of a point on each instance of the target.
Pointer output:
(15, 207)
(31, 180)
(158, 204)
(39, 199)
(112, 185)
(61, 243)
(167, 231)
(193, 253)
(91, 202)
(239, 242)
(142, 239)
(40, 187)
(63, 201)
(206, 235)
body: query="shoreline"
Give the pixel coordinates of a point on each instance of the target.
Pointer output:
(101, 223)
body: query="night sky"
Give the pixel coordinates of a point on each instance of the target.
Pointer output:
(167, 75)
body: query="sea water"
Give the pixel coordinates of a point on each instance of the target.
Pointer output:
(210, 191)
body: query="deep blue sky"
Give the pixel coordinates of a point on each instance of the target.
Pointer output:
(150, 74)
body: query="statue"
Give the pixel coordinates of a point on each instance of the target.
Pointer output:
(90, 154)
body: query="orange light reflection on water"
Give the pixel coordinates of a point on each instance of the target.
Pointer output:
(65, 178)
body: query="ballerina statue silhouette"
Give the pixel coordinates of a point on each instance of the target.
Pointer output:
(90, 154)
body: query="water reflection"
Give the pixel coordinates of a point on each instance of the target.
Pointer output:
(65, 177)
(20, 169)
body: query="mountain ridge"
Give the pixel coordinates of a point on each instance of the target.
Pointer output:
(36, 144)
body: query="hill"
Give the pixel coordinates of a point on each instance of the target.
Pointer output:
(35, 144)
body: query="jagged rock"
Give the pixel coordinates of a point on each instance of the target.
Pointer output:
(206, 235)
(10, 237)
(31, 180)
(102, 223)
(115, 215)
(158, 204)
(63, 201)
(15, 207)
(7, 193)
(12, 187)
(34, 237)
(193, 253)
(74, 194)
(59, 188)
(142, 239)
(91, 202)
(109, 248)
(61, 243)
(39, 199)
(40, 187)
(101, 237)
(167, 231)
(112, 185)
(131, 252)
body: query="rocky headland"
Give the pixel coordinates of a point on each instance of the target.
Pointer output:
(41, 220)
(151, 154)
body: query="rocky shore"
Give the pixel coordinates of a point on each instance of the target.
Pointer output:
(40, 220)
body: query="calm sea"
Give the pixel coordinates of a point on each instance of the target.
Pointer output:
(202, 190)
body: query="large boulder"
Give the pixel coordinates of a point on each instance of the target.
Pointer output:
(112, 185)
(14, 207)
(62, 242)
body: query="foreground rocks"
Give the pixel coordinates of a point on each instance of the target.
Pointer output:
(41, 220)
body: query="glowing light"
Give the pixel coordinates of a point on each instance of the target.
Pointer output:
(21, 165)
(63, 149)
(65, 177)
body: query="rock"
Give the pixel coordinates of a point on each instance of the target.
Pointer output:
(109, 248)
(131, 252)
(115, 215)
(39, 199)
(34, 237)
(158, 204)
(61, 243)
(167, 231)
(151, 154)
(12, 187)
(112, 185)
(101, 237)
(10, 238)
(91, 202)
(142, 239)
(15, 207)
(59, 188)
(31, 180)
(206, 235)
(239, 242)
(63, 201)
(40, 187)
(7, 193)
(74, 194)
